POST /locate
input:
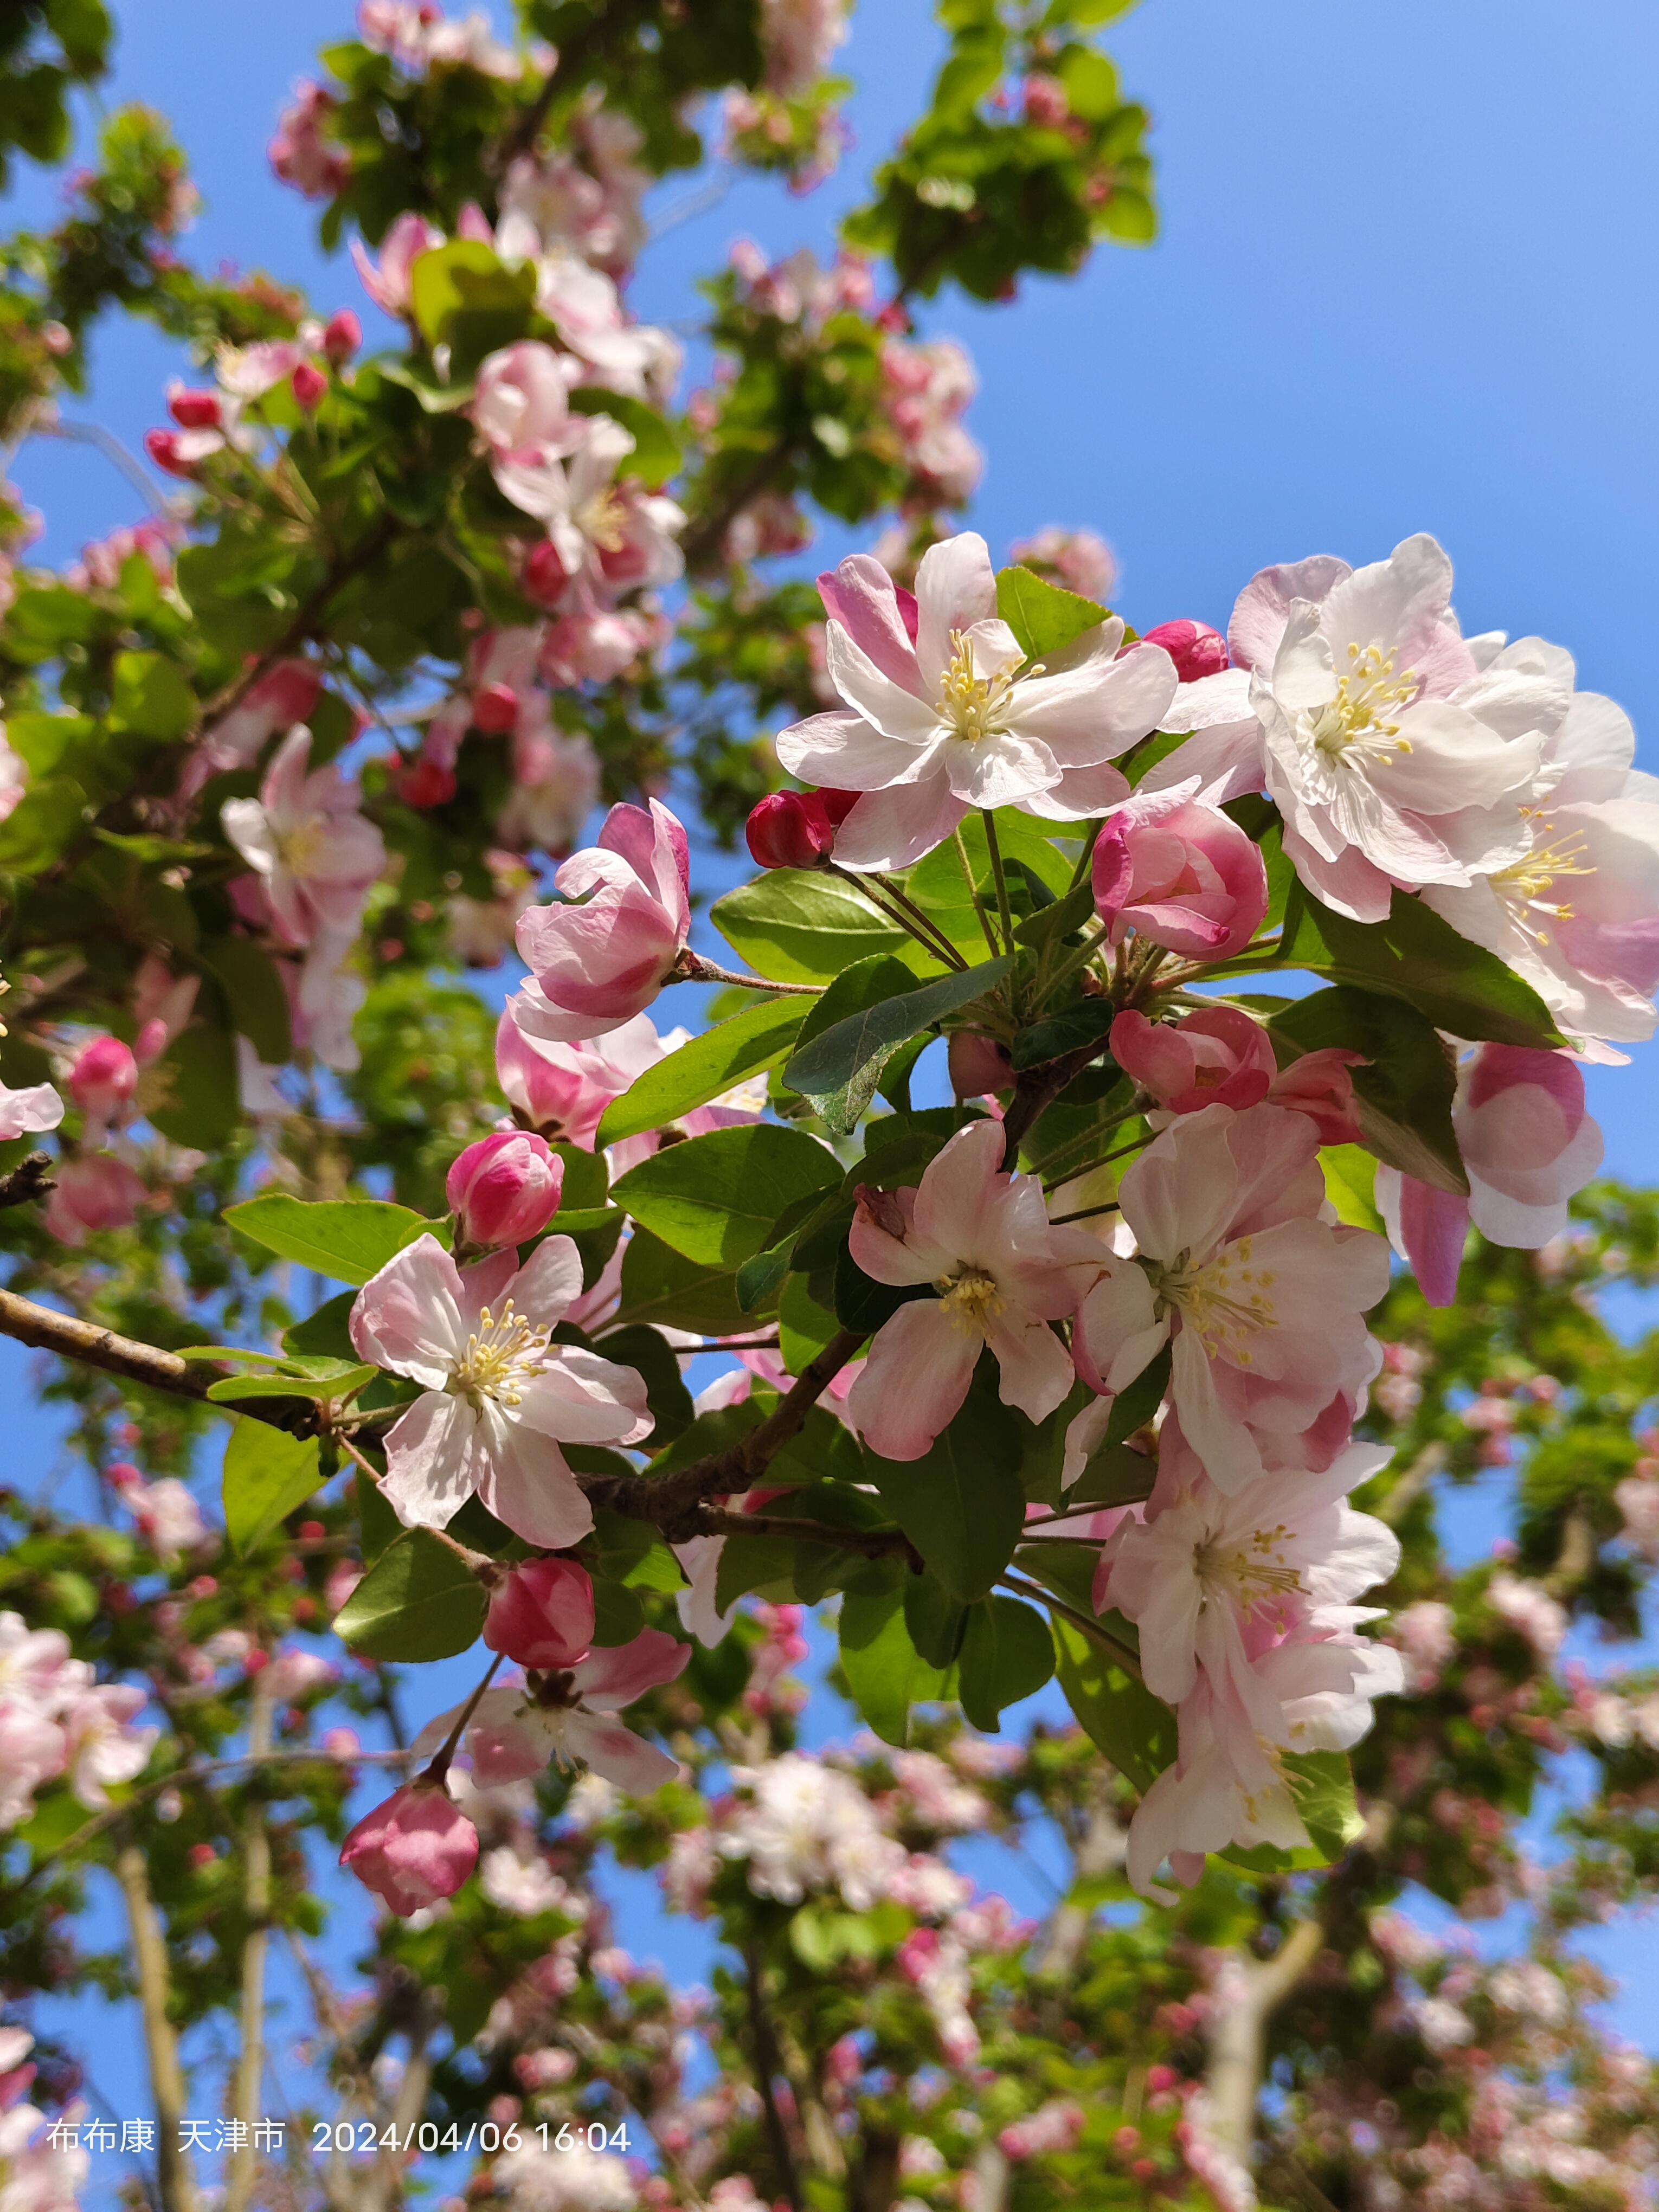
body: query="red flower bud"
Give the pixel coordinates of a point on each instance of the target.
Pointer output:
(790, 829)
(413, 1849)
(342, 336)
(495, 709)
(426, 783)
(542, 1615)
(504, 1189)
(194, 410)
(103, 1077)
(544, 577)
(308, 385)
(838, 805)
(162, 447)
(1195, 648)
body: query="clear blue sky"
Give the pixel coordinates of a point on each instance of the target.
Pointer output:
(1405, 282)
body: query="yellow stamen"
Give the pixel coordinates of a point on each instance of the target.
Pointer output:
(975, 706)
(972, 1300)
(1357, 721)
(501, 1356)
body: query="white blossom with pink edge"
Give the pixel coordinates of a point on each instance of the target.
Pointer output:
(522, 402)
(1392, 758)
(1260, 1298)
(598, 963)
(386, 281)
(29, 1110)
(1000, 1274)
(305, 839)
(498, 1397)
(570, 1717)
(562, 1090)
(600, 530)
(1577, 914)
(936, 721)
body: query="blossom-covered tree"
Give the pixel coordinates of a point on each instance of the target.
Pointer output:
(1071, 1353)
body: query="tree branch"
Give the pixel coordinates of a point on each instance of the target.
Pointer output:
(341, 571)
(175, 2174)
(30, 1179)
(1239, 2033)
(255, 1901)
(768, 2065)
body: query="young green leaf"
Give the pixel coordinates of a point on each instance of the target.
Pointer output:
(1007, 1653)
(267, 1472)
(703, 1069)
(1042, 617)
(714, 1198)
(419, 1601)
(347, 1238)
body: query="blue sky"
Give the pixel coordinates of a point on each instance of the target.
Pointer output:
(1403, 283)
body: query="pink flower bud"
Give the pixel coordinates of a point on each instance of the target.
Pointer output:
(495, 709)
(544, 577)
(426, 783)
(162, 447)
(342, 336)
(1182, 875)
(789, 829)
(193, 411)
(308, 385)
(1217, 1057)
(413, 1849)
(978, 1064)
(1195, 648)
(504, 1188)
(94, 1191)
(103, 1077)
(542, 1615)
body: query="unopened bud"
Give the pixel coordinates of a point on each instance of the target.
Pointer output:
(542, 1615)
(194, 410)
(495, 709)
(1195, 648)
(544, 577)
(504, 1188)
(342, 336)
(103, 1077)
(415, 1848)
(308, 386)
(794, 828)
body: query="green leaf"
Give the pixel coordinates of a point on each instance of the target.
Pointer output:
(149, 696)
(464, 297)
(648, 1353)
(348, 1239)
(804, 1326)
(939, 886)
(1417, 957)
(862, 1303)
(714, 1198)
(1115, 1474)
(316, 1387)
(1007, 1653)
(40, 830)
(267, 1472)
(833, 1058)
(802, 926)
(326, 1334)
(935, 1620)
(656, 455)
(418, 1601)
(1403, 1096)
(1134, 1729)
(866, 984)
(254, 994)
(885, 1672)
(760, 1279)
(1137, 1401)
(1350, 1184)
(961, 1503)
(200, 1106)
(661, 1285)
(704, 1068)
(1321, 1786)
(1088, 1022)
(1043, 618)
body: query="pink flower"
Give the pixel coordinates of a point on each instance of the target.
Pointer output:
(569, 1715)
(103, 1745)
(1196, 649)
(1218, 1056)
(519, 406)
(298, 153)
(608, 537)
(342, 336)
(95, 1190)
(563, 1089)
(1528, 1146)
(938, 722)
(283, 697)
(1181, 874)
(503, 1190)
(1000, 1273)
(24, 1112)
(103, 1078)
(542, 1615)
(388, 281)
(413, 1849)
(796, 828)
(599, 963)
(498, 1396)
(33, 1750)
(304, 838)
(1262, 1302)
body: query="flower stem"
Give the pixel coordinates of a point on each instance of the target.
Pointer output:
(438, 1766)
(900, 909)
(692, 968)
(994, 849)
(973, 893)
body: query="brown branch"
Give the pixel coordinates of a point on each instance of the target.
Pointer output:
(692, 968)
(673, 1502)
(255, 1901)
(768, 2066)
(305, 621)
(30, 1179)
(701, 543)
(175, 2174)
(1035, 1088)
(870, 1543)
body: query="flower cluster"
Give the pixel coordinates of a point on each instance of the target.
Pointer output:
(56, 1720)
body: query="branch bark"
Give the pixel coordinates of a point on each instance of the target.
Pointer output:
(175, 2174)
(767, 2066)
(255, 1901)
(1238, 2035)
(306, 621)
(30, 1179)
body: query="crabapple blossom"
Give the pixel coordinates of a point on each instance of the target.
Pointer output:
(798, 38)
(1577, 914)
(608, 536)
(1219, 1056)
(598, 963)
(1528, 1147)
(498, 1396)
(569, 1714)
(980, 1238)
(387, 279)
(1393, 759)
(562, 1090)
(936, 721)
(1196, 649)
(1180, 875)
(93, 1191)
(796, 828)
(928, 388)
(541, 1614)
(504, 1189)
(413, 1849)
(102, 1745)
(1260, 1301)
(314, 853)
(298, 153)
(31, 1109)
(521, 405)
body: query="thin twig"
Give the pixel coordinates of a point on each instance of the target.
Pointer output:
(973, 893)
(30, 1179)
(692, 968)
(994, 847)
